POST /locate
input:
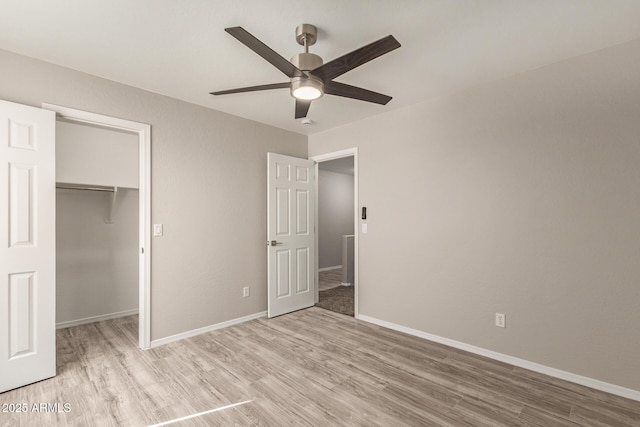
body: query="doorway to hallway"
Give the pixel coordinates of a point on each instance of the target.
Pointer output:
(336, 223)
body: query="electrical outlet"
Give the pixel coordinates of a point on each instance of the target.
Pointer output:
(245, 292)
(501, 320)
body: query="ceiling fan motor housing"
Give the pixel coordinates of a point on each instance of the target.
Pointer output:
(306, 61)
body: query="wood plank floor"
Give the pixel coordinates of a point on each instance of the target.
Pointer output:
(309, 368)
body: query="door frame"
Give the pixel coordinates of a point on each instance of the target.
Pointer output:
(349, 152)
(143, 131)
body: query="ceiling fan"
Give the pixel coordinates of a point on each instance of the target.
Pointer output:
(310, 79)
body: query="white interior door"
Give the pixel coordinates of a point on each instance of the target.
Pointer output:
(290, 234)
(27, 245)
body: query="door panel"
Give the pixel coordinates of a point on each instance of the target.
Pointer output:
(291, 260)
(283, 281)
(21, 214)
(302, 267)
(282, 212)
(27, 245)
(302, 216)
(22, 288)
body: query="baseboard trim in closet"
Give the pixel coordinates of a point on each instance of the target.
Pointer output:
(204, 330)
(515, 361)
(335, 267)
(78, 322)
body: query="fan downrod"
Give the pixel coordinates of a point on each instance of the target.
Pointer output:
(306, 35)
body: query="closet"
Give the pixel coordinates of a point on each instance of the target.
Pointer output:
(96, 223)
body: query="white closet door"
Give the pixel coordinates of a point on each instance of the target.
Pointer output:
(27, 245)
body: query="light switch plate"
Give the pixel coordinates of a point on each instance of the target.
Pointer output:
(364, 228)
(157, 230)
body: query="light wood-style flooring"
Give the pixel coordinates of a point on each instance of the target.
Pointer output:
(309, 368)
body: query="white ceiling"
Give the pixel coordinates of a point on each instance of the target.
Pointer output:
(180, 48)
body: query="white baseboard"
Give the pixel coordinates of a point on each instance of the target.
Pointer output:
(194, 332)
(70, 323)
(521, 363)
(335, 267)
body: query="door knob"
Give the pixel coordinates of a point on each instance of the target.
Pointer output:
(274, 243)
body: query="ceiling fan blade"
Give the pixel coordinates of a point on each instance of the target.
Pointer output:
(265, 51)
(348, 91)
(302, 108)
(348, 62)
(253, 88)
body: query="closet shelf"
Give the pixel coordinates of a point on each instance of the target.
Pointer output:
(112, 199)
(86, 187)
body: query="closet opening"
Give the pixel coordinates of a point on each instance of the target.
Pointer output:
(102, 222)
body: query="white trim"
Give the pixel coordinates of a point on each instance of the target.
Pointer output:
(316, 238)
(204, 330)
(144, 193)
(77, 322)
(335, 267)
(515, 361)
(334, 155)
(356, 218)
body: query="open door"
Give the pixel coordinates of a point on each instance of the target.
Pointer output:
(27, 245)
(290, 234)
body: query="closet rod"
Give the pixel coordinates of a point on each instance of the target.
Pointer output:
(73, 187)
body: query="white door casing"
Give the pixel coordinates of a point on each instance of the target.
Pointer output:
(143, 131)
(290, 233)
(27, 245)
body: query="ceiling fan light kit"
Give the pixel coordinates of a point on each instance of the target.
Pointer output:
(306, 89)
(309, 77)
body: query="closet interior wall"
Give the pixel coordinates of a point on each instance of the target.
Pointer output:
(96, 233)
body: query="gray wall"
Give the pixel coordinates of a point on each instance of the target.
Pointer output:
(335, 215)
(208, 177)
(96, 263)
(91, 155)
(521, 196)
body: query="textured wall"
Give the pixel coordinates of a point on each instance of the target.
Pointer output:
(335, 215)
(521, 196)
(208, 171)
(92, 155)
